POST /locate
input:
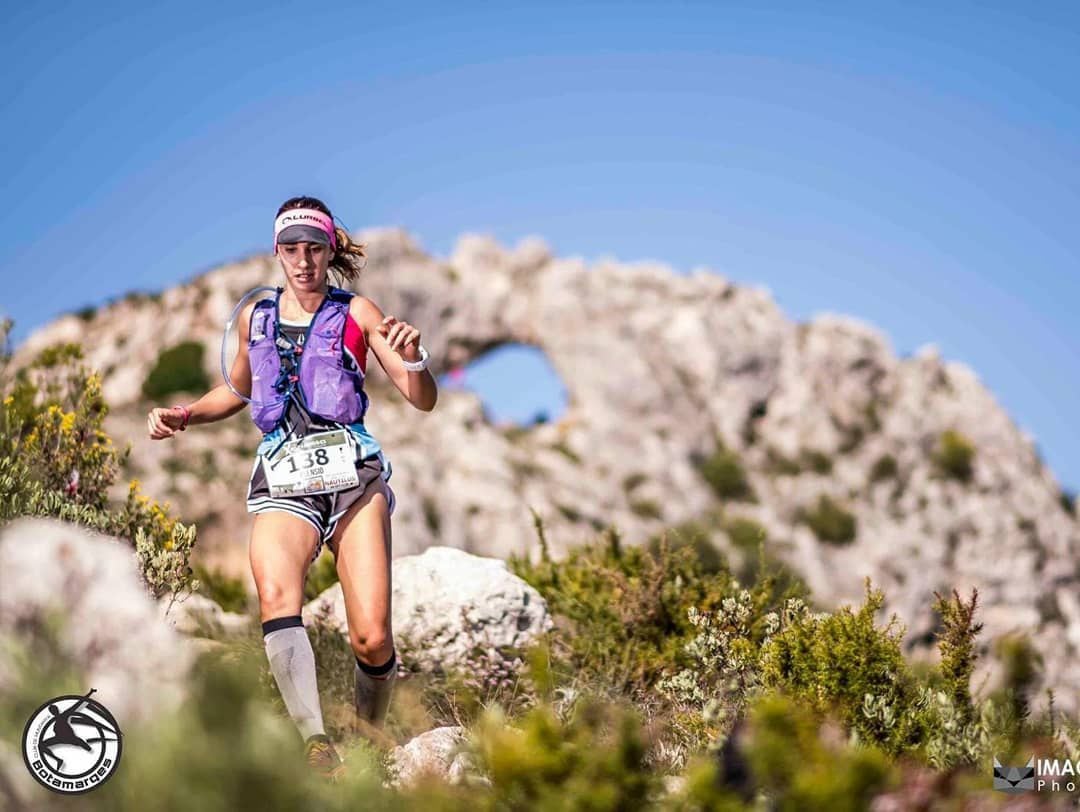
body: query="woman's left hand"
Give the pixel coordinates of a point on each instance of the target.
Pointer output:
(404, 339)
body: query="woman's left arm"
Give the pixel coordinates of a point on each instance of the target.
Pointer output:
(395, 341)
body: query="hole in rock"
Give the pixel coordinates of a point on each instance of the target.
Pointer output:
(515, 382)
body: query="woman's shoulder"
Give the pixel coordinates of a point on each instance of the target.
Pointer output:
(364, 312)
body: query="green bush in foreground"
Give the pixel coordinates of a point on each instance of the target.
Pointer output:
(178, 369)
(790, 709)
(596, 760)
(799, 768)
(57, 461)
(627, 607)
(841, 661)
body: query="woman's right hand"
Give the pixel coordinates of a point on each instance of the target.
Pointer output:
(163, 423)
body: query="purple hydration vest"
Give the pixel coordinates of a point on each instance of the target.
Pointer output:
(325, 387)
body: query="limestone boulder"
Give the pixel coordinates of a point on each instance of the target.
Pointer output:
(437, 753)
(107, 625)
(447, 603)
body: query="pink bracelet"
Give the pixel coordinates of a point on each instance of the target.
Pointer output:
(187, 416)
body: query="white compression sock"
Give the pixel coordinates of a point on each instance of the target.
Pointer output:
(293, 664)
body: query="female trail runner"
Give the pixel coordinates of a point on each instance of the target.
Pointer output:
(308, 347)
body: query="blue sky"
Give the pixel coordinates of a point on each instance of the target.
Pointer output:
(913, 166)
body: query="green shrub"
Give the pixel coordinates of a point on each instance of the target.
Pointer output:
(842, 662)
(796, 765)
(726, 665)
(809, 459)
(884, 467)
(432, 519)
(178, 369)
(646, 509)
(954, 456)
(724, 472)
(634, 481)
(696, 536)
(830, 522)
(758, 563)
(624, 611)
(55, 460)
(746, 534)
(593, 761)
(1021, 665)
(229, 593)
(786, 758)
(321, 575)
(838, 662)
(51, 419)
(852, 438)
(776, 463)
(816, 461)
(1067, 499)
(956, 643)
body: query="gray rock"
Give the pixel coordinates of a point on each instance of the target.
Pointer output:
(447, 602)
(199, 616)
(110, 627)
(438, 752)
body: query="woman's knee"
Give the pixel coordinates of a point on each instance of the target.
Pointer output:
(370, 642)
(276, 598)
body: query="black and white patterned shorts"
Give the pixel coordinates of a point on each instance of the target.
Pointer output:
(322, 511)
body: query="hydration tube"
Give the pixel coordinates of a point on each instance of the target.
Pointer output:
(228, 327)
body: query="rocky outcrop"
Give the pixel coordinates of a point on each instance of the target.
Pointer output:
(77, 596)
(446, 604)
(661, 369)
(198, 616)
(437, 753)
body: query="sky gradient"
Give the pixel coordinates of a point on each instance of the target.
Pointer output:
(913, 167)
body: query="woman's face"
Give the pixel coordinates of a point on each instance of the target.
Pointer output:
(305, 264)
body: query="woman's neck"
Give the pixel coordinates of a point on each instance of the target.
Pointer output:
(297, 305)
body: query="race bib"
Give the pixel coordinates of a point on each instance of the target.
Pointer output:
(319, 463)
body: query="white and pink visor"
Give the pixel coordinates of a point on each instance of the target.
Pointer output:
(304, 225)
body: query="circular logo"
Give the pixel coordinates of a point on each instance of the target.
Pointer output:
(71, 744)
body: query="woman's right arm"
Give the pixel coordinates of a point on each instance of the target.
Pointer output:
(217, 404)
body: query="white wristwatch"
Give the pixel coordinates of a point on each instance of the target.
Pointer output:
(417, 366)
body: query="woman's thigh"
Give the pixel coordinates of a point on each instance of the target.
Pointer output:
(281, 549)
(361, 545)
